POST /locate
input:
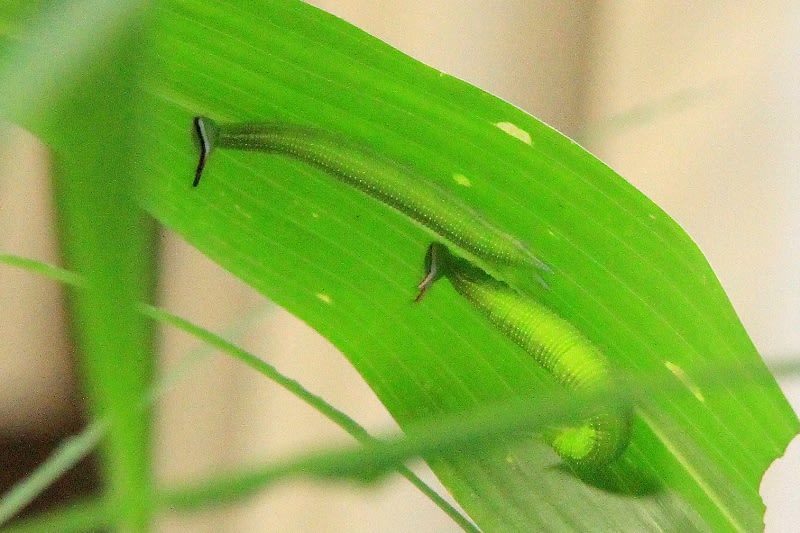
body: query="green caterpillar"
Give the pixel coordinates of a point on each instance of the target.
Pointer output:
(429, 205)
(555, 344)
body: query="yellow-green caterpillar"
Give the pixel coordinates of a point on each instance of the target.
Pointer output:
(429, 205)
(555, 344)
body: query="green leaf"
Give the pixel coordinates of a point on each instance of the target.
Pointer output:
(623, 271)
(72, 79)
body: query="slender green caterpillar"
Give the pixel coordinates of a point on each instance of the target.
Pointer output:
(432, 207)
(555, 344)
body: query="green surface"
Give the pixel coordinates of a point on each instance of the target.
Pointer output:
(622, 271)
(70, 75)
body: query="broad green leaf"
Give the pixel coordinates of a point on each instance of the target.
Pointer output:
(623, 271)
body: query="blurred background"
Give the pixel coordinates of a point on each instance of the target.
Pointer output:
(695, 103)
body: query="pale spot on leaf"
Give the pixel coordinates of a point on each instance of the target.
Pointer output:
(681, 375)
(242, 212)
(515, 131)
(462, 180)
(324, 297)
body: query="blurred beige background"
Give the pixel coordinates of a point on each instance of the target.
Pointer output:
(695, 103)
